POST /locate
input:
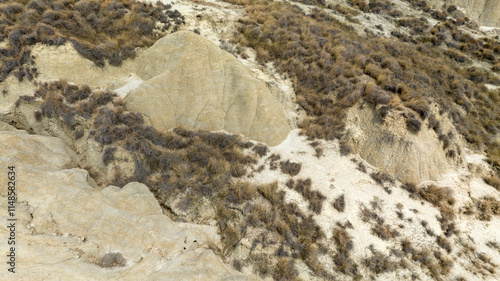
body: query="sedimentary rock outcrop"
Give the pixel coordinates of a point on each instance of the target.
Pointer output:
(193, 83)
(66, 229)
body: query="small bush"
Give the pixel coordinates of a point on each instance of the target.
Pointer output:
(345, 148)
(260, 150)
(339, 203)
(344, 246)
(108, 155)
(436, 195)
(79, 132)
(384, 231)
(318, 151)
(382, 178)
(413, 124)
(410, 187)
(444, 243)
(238, 265)
(285, 270)
(493, 181)
(261, 265)
(487, 207)
(290, 168)
(315, 198)
(379, 263)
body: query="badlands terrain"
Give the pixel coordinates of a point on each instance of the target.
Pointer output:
(250, 140)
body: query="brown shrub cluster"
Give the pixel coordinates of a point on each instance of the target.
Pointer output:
(493, 181)
(344, 245)
(99, 30)
(382, 178)
(379, 227)
(437, 263)
(303, 187)
(379, 263)
(488, 206)
(443, 200)
(339, 203)
(418, 25)
(291, 168)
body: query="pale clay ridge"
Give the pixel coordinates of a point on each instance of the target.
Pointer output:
(65, 226)
(487, 12)
(389, 146)
(193, 83)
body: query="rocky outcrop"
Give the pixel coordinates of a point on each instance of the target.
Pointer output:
(485, 12)
(193, 83)
(391, 147)
(67, 229)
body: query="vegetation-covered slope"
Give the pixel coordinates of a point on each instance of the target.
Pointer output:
(333, 68)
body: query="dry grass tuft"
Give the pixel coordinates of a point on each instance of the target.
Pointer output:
(487, 206)
(315, 198)
(493, 181)
(285, 270)
(339, 203)
(382, 178)
(344, 245)
(379, 263)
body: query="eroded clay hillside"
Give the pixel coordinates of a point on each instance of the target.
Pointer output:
(251, 139)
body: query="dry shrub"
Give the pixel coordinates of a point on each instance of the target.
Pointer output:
(290, 168)
(285, 270)
(339, 203)
(493, 181)
(418, 25)
(261, 265)
(344, 246)
(269, 191)
(444, 243)
(384, 231)
(112, 260)
(496, 67)
(413, 124)
(315, 198)
(437, 195)
(382, 178)
(260, 149)
(379, 263)
(487, 207)
(345, 148)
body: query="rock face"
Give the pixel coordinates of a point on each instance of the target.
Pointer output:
(389, 146)
(486, 12)
(68, 230)
(191, 82)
